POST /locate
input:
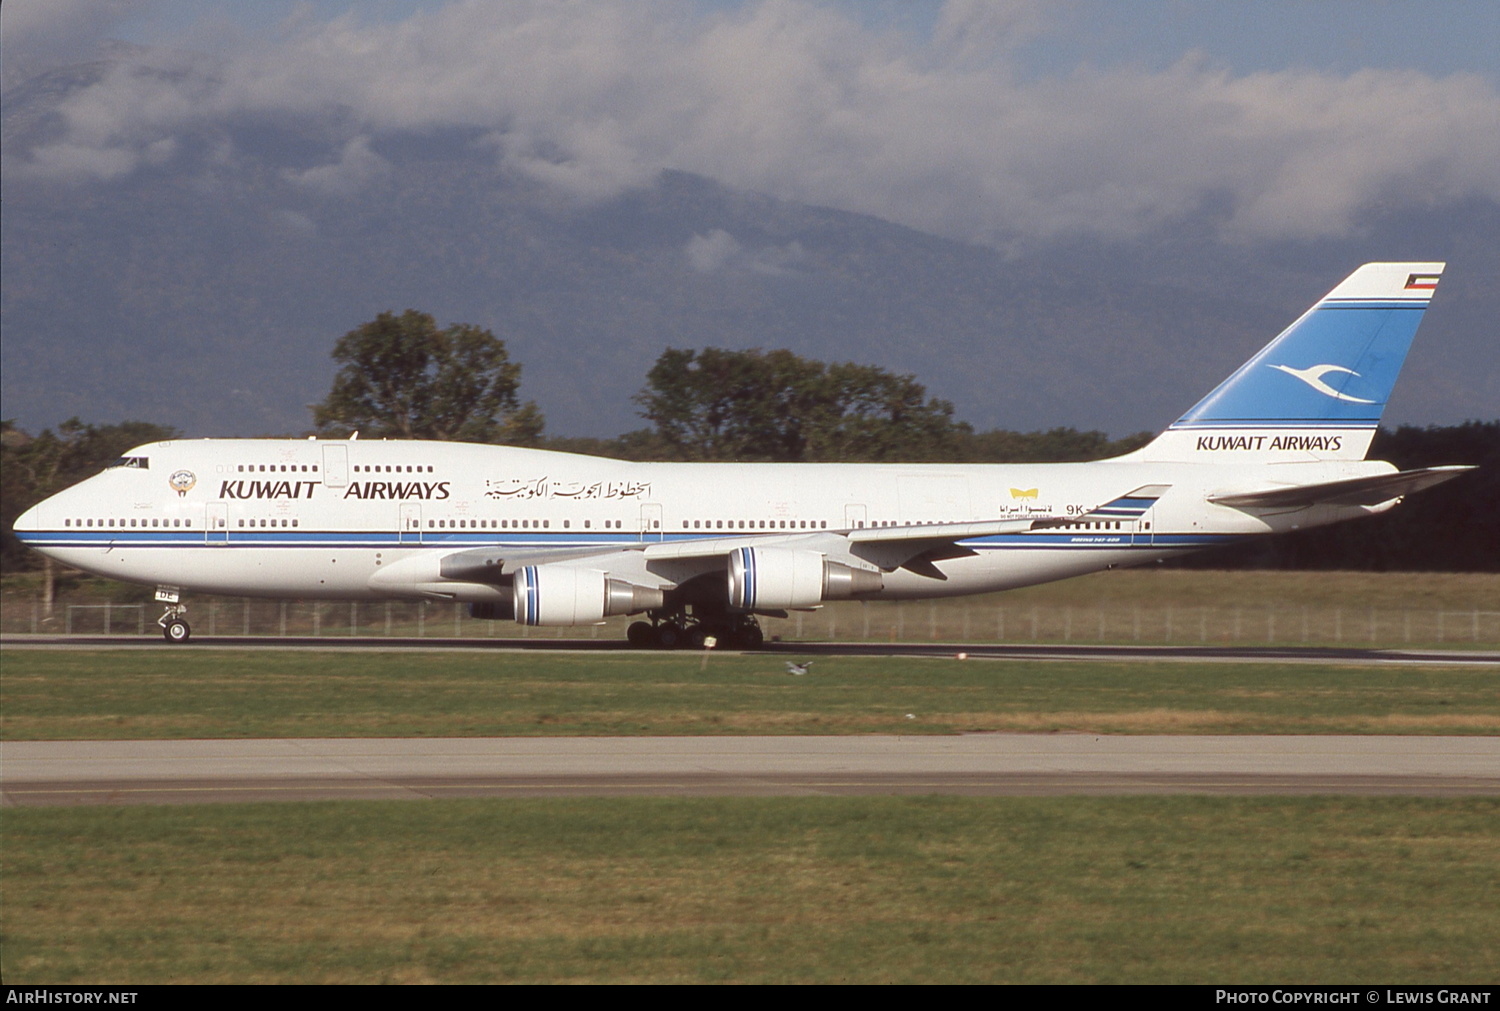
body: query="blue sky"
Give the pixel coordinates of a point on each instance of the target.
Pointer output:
(1342, 36)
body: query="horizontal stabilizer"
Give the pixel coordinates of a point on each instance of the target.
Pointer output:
(1359, 491)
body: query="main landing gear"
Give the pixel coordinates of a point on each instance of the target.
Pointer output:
(681, 632)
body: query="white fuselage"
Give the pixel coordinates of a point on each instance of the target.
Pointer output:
(326, 518)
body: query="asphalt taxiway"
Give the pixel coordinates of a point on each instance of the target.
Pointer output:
(157, 772)
(974, 651)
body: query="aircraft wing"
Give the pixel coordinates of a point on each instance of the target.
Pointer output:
(915, 547)
(888, 548)
(436, 575)
(490, 564)
(1362, 491)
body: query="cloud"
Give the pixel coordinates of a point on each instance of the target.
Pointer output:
(355, 169)
(709, 253)
(38, 33)
(793, 98)
(719, 251)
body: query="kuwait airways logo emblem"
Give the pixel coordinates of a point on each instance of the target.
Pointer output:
(1313, 376)
(182, 481)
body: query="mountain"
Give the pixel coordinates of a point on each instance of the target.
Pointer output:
(205, 290)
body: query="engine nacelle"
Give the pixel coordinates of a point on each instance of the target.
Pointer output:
(784, 577)
(563, 595)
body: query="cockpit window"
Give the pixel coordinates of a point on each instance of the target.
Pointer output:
(136, 462)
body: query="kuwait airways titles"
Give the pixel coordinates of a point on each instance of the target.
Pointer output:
(548, 538)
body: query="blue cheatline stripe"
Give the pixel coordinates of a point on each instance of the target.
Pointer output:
(1082, 542)
(1032, 540)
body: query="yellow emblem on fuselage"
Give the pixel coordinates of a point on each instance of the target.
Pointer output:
(1023, 492)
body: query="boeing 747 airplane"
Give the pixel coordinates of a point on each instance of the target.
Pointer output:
(701, 549)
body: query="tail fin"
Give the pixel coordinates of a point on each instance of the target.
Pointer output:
(1317, 391)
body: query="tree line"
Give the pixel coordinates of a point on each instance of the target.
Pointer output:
(404, 377)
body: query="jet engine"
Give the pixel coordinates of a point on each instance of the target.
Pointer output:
(565, 595)
(764, 578)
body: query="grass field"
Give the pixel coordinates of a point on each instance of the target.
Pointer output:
(1038, 890)
(826, 889)
(179, 693)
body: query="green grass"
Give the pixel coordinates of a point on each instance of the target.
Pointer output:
(177, 693)
(929, 889)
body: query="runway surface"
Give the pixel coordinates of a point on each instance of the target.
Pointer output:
(159, 772)
(977, 651)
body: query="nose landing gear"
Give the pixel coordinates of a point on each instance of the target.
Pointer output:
(174, 627)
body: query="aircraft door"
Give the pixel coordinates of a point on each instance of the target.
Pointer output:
(409, 530)
(216, 530)
(1145, 528)
(854, 516)
(335, 466)
(651, 521)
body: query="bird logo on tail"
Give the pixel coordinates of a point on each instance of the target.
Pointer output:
(1313, 376)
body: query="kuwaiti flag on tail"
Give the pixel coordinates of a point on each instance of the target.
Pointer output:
(1317, 391)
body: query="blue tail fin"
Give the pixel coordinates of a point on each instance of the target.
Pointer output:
(1317, 391)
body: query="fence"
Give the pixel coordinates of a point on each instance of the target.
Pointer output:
(878, 621)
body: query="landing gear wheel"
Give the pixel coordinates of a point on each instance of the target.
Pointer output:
(668, 636)
(751, 637)
(640, 634)
(696, 637)
(176, 631)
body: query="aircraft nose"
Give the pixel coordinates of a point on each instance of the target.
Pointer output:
(29, 521)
